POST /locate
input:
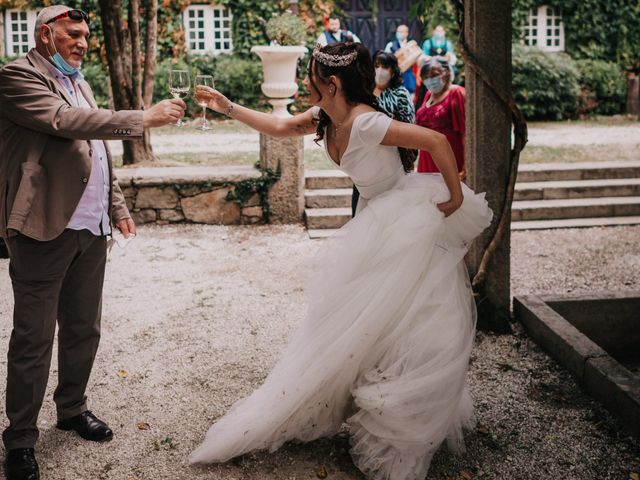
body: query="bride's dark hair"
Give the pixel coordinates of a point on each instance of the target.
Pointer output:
(358, 81)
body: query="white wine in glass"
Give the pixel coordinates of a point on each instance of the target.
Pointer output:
(179, 85)
(205, 81)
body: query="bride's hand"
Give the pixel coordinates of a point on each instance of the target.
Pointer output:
(215, 100)
(449, 207)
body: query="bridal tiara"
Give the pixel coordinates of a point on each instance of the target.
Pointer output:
(333, 60)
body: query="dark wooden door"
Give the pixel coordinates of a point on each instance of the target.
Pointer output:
(376, 34)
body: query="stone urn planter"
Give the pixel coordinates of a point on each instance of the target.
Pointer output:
(279, 66)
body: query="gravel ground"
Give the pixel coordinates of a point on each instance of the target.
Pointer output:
(194, 317)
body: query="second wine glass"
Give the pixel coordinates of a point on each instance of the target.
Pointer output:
(205, 81)
(179, 85)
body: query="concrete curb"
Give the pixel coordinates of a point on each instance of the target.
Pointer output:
(594, 369)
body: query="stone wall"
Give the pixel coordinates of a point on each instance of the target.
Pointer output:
(189, 195)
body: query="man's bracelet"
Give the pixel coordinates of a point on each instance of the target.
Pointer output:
(228, 111)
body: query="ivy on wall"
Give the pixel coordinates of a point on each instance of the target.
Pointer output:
(594, 29)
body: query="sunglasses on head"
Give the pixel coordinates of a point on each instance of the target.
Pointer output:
(72, 14)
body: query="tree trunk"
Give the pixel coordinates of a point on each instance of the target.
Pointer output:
(150, 51)
(487, 31)
(122, 42)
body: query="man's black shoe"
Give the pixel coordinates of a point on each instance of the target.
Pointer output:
(88, 426)
(21, 465)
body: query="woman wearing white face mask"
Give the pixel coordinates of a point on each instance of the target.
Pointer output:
(391, 94)
(442, 110)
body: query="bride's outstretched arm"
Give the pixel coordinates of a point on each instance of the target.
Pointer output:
(267, 123)
(405, 135)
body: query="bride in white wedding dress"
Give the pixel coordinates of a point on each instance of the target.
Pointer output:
(386, 342)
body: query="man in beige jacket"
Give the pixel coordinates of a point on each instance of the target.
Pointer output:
(59, 199)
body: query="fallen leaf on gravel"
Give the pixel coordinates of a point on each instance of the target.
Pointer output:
(466, 475)
(123, 373)
(143, 426)
(322, 472)
(634, 476)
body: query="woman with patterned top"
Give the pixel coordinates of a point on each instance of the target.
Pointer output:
(443, 111)
(391, 94)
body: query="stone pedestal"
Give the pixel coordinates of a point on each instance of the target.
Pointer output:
(286, 196)
(488, 142)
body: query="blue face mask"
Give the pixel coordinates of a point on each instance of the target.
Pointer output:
(439, 36)
(434, 84)
(401, 36)
(60, 63)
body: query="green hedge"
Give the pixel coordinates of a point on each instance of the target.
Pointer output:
(603, 87)
(240, 80)
(545, 85)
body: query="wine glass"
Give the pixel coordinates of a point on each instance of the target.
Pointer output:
(179, 84)
(205, 81)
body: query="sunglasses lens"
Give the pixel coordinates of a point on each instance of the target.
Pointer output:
(78, 15)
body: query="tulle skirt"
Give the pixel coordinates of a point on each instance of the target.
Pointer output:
(385, 345)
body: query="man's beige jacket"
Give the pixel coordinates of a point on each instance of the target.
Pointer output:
(45, 149)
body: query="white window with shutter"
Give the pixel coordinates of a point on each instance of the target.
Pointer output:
(208, 29)
(19, 25)
(545, 29)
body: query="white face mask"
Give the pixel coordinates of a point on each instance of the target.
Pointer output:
(383, 76)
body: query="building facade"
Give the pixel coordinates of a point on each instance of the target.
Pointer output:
(208, 28)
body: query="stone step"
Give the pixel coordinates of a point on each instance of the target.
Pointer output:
(575, 208)
(575, 223)
(577, 189)
(328, 198)
(321, 233)
(532, 225)
(322, 218)
(557, 190)
(543, 172)
(534, 172)
(319, 179)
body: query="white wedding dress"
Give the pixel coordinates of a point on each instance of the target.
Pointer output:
(386, 342)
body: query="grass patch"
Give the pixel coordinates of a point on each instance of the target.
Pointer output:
(313, 159)
(579, 153)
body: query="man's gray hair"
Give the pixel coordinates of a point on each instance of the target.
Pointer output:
(46, 14)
